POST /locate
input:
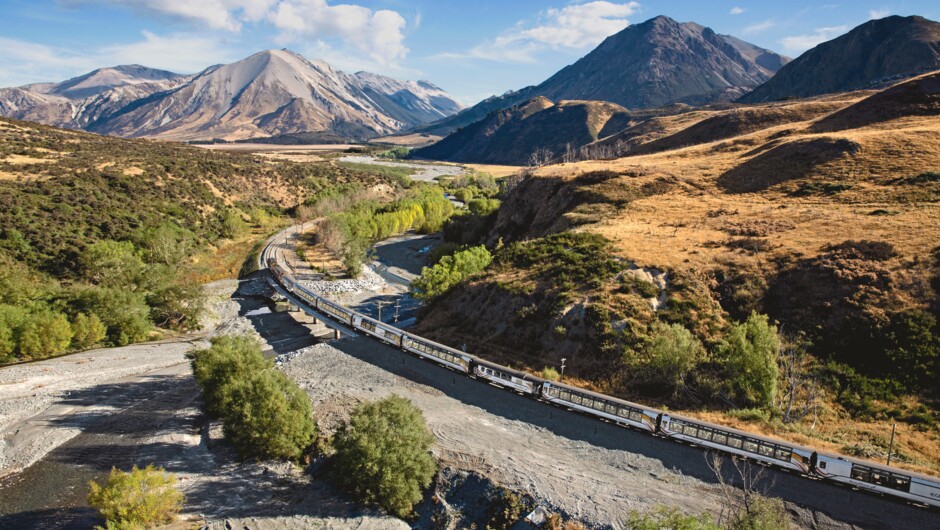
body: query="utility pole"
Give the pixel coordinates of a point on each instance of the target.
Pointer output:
(891, 445)
(380, 304)
(397, 306)
(562, 376)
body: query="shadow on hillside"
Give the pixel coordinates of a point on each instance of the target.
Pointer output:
(776, 164)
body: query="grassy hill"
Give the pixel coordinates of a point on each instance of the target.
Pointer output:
(101, 238)
(823, 214)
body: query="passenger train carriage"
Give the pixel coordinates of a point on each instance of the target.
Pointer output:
(737, 442)
(868, 476)
(613, 409)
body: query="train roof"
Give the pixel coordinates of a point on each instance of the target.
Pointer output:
(882, 467)
(517, 373)
(739, 432)
(455, 351)
(603, 396)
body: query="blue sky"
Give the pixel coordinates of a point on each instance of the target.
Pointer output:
(472, 49)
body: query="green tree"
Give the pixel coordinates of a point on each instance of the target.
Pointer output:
(483, 206)
(167, 244)
(141, 498)
(87, 331)
(114, 264)
(760, 513)
(233, 223)
(125, 313)
(671, 354)
(44, 333)
(749, 352)
(383, 454)
(11, 320)
(450, 271)
(268, 416)
(228, 360)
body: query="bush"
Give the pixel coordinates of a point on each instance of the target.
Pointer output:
(87, 331)
(671, 354)
(125, 313)
(264, 414)
(761, 513)
(506, 509)
(228, 360)
(269, 416)
(483, 207)
(45, 333)
(550, 374)
(139, 498)
(112, 264)
(666, 518)
(749, 352)
(382, 455)
(233, 224)
(450, 271)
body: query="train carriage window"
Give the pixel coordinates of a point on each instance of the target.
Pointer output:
(860, 473)
(783, 454)
(734, 441)
(704, 433)
(611, 409)
(720, 438)
(899, 483)
(766, 450)
(750, 446)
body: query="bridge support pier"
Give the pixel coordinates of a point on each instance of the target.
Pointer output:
(335, 333)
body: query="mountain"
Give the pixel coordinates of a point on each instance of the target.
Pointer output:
(872, 54)
(81, 100)
(270, 93)
(511, 136)
(658, 62)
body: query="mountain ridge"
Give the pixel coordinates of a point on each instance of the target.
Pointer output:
(270, 93)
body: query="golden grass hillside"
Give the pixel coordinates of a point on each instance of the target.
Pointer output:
(823, 213)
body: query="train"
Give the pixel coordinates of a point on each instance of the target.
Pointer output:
(892, 482)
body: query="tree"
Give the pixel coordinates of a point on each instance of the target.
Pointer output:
(233, 223)
(125, 313)
(229, 358)
(382, 454)
(450, 271)
(140, 498)
(167, 244)
(87, 331)
(112, 264)
(745, 507)
(540, 157)
(11, 319)
(671, 354)
(268, 416)
(44, 333)
(799, 394)
(749, 352)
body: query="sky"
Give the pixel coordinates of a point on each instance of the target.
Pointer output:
(472, 49)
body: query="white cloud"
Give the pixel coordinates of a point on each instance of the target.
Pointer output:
(801, 43)
(879, 13)
(736, 10)
(216, 14)
(759, 27)
(574, 27)
(26, 62)
(376, 34)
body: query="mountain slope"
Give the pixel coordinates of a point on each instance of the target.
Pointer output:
(512, 135)
(270, 93)
(647, 65)
(872, 53)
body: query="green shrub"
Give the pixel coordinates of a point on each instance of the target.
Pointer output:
(269, 416)
(11, 320)
(141, 498)
(506, 509)
(671, 354)
(761, 513)
(483, 206)
(383, 455)
(233, 223)
(463, 195)
(749, 353)
(450, 271)
(45, 333)
(758, 415)
(124, 312)
(87, 331)
(228, 360)
(112, 264)
(669, 518)
(550, 374)
(264, 414)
